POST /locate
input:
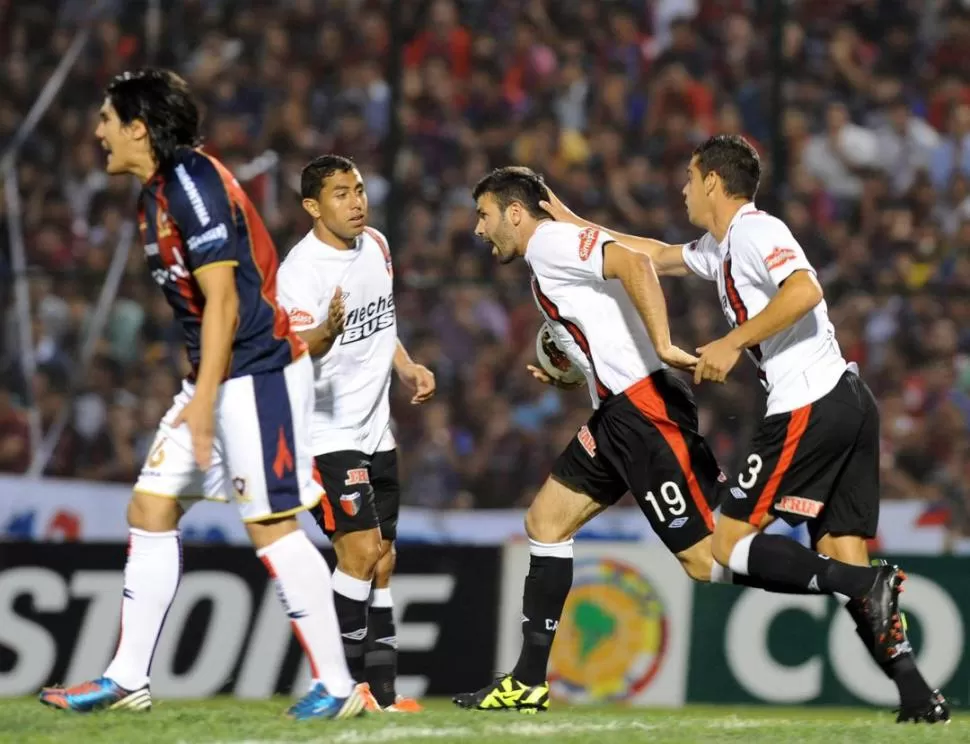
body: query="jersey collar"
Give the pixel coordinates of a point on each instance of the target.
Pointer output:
(746, 208)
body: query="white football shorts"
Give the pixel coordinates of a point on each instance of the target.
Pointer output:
(261, 453)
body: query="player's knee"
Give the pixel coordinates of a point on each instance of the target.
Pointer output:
(153, 513)
(360, 553)
(541, 528)
(385, 566)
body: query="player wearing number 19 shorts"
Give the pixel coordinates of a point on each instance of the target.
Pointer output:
(607, 313)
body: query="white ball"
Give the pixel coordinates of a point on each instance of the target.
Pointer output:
(553, 359)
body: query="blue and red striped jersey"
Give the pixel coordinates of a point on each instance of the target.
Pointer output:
(193, 215)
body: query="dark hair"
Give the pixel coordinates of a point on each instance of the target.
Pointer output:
(734, 159)
(515, 183)
(162, 100)
(319, 170)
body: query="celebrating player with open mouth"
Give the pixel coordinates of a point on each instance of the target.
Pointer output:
(337, 285)
(242, 421)
(604, 304)
(815, 455)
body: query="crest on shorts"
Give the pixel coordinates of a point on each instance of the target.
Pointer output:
(585, 437)
(350, 503)
(157, 454)
(357, 477)
(239, 485)
(587, 241)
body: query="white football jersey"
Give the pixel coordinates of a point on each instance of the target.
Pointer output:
(352, 380)
(592, 318)
(802, 363)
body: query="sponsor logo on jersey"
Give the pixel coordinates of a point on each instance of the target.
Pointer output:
(301, 317)
(779, 257)
(799, 505)
(587, 241)
(219, 232)
(350, 503)
(612, 635)
(357, 477)
(366, 320)
(195, 198)
(585, 437)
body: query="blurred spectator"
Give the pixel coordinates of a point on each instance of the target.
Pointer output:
(607, 99)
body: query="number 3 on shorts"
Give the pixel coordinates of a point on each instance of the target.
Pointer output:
(754, 468)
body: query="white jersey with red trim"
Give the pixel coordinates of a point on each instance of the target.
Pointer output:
(592, 318)
(800, 364)
(352, 381)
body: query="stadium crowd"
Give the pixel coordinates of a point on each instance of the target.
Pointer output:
(607, 99)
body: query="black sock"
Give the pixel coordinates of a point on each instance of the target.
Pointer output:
(902, 670)
(352, 618)
(380, 656)
(546, 589)
(774, 587)
(778, 559)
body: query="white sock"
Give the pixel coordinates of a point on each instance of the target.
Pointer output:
(739, 556)
(303, 582)
(151, 578)
(355, 589)
(381, 597)
(720, 574)
(552, 550)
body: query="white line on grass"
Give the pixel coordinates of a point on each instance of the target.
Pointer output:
(517, 728)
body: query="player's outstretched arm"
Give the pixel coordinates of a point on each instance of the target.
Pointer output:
(668, 259)
(636, 272)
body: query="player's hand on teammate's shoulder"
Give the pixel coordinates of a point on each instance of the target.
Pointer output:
(541, 376)
(559, 211)
(420, 380)
(336, 314)
(717, 360)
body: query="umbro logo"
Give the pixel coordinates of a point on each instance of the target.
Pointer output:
(678, 523)
(355, 635)
(813, 584)
(738, 493)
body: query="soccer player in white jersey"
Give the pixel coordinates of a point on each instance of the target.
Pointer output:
(337, 286)
(815, 455)
(608, 313)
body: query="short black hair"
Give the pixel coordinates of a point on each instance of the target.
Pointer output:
(319, 170)
(515, 183)
(162, 100)
(734, 159)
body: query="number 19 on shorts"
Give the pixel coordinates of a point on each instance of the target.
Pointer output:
(670, 504)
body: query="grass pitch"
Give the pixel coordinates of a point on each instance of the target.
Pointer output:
(231, 721)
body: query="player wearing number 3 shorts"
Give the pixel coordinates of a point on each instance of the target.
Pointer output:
(239, 426)
(815, 455)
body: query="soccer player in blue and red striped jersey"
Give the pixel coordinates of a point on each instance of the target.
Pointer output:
(239, 425)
